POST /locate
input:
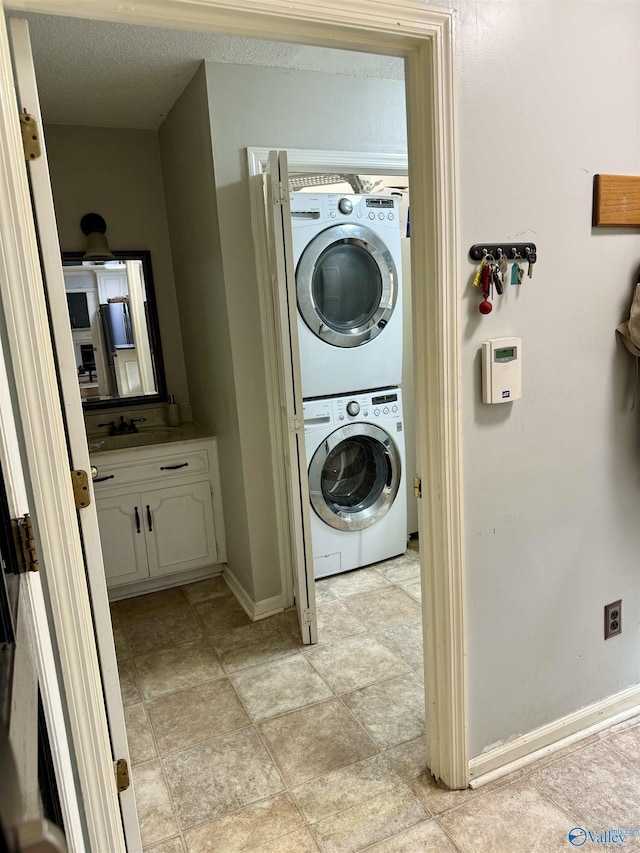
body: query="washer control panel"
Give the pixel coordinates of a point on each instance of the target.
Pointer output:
(372, 406)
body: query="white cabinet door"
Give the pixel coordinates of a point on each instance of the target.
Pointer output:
(122, 533)
(178, 524)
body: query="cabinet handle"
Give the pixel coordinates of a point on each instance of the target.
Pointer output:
(173, 467)
(137, 520)
(149, 519)
(102, 479)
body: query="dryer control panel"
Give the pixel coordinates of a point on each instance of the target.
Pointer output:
(307, 208)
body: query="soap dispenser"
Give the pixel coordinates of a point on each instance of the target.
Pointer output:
(173, 412)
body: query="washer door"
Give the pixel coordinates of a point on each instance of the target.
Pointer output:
(354, 477)
(346, 285)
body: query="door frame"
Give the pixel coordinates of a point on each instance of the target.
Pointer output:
(424, 36)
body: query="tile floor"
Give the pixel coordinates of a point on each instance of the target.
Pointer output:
(243, 739)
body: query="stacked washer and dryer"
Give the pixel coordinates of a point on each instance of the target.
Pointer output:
(349, 293)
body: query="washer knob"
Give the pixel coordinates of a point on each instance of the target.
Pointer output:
(345, 205)
(353, 408)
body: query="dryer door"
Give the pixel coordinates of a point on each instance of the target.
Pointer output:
(346, 285)
(354, 477)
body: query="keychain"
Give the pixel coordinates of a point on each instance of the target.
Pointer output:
(516, 269)
(476, 278)
(485, 306)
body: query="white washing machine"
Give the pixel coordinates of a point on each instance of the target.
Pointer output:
(356, 467)
(348, 288)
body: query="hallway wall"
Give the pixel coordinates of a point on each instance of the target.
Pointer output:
(549, 95)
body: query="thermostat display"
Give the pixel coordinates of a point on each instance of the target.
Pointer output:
(501, 370)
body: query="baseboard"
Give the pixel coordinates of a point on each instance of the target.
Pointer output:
(552, 737)
(116, 593)
(255, 610)
(268, 607)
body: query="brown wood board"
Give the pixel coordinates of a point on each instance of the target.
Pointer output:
(616, 200)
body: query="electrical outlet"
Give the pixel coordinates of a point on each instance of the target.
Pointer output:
(613, 619)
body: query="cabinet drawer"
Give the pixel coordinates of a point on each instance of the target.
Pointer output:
(160, 468)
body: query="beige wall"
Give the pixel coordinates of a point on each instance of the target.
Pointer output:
(185, 145)
(117, 174)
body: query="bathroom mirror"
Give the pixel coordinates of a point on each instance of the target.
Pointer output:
(114, 325)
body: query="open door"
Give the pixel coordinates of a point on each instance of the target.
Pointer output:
(284, 301)
(50, 257)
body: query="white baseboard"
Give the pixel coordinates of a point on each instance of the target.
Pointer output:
(254, 609)
(116, 593)
(552, 737)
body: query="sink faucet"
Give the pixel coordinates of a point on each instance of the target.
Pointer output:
(112, 424)
(123, 428)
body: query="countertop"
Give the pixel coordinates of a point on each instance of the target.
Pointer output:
(100, 443)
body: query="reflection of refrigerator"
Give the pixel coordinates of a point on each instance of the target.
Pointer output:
(117, 334)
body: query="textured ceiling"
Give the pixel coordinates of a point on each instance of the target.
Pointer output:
(117, 75)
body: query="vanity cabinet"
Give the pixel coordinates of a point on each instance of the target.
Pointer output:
(157, 510)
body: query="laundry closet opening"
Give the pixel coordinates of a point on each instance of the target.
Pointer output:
(353, 347)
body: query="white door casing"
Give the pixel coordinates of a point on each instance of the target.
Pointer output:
(283, 294)
(69, 427)
(425, 37)
(33, 601)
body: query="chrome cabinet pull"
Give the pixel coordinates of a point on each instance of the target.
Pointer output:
(102, 479)
(173, 467)
(137, 519)
(149, 519)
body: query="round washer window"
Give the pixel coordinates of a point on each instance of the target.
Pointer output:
(354, 476)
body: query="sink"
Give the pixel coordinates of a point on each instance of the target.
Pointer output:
(150, 435)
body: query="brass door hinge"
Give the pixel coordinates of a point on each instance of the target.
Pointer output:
(417, 487)
(30, 136)
(25, 544)
(121, 769)
(81, 493)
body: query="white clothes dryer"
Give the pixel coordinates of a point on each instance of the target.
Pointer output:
(355, 461)
(348, 287)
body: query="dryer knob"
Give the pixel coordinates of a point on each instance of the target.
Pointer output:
(345, 205)
(353, 408)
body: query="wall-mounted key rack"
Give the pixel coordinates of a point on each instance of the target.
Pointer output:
(512, 251)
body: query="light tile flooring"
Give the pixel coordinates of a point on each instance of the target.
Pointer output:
(243, 739)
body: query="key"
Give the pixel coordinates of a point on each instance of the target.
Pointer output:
(532, 258)
(503, 265)
(516, 273)
(496, 279)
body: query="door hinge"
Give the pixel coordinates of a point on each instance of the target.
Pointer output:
(294, 424)
(308, 617)
(121, 769)
(417, 487)
(30, 136)
(25, 544)
(81, 493)
(279, 196)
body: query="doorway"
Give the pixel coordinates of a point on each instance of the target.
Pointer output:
(439, 262)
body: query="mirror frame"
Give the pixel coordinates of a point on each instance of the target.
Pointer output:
(76, 258)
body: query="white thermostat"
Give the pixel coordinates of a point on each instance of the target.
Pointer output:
(501, 370)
